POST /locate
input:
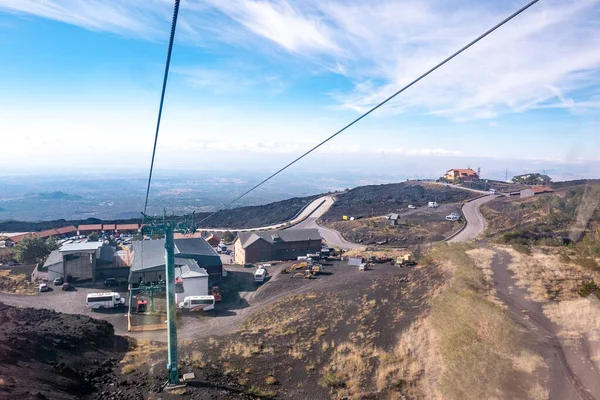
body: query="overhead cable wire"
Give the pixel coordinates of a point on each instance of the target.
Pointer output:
(507, 19)
(162, 96)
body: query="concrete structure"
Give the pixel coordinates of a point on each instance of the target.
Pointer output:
(213, 240)
(392, 219)
(535, 190)
(250, 247)
(83, 261)
(149, 259)
(459, 174)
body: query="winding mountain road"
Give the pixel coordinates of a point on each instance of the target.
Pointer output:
(475, 221)
(319, 205)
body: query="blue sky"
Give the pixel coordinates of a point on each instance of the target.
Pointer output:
(255, 83)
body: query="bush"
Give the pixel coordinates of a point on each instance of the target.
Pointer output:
(588, 288)
(522, 248)
(330, 380)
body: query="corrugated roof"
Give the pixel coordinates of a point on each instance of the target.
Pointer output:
(151, 253)
(127, 227)
(287, 236)
(66, 229)
(194, 246)
(90, 227)
(394, 216)
(86, 246)
(189, 269)
(108, 227)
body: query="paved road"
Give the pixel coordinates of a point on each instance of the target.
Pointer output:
(332, 237)
(317, 204)
(457, 187)
(475, 221)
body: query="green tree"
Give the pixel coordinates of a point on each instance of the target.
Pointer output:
(31, 250)
(228, 237)
(52, 244)
(93, 237)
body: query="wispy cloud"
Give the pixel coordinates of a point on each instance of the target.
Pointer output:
(549, 57)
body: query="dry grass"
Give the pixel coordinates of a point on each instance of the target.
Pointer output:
(16, 283)
(141, 353)
(270, 380)
(349, 367)
(401, 370)
(242, 349)
(577, 318)
(478, 342)
(547, 276)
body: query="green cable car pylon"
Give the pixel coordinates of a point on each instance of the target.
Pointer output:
(167, 228)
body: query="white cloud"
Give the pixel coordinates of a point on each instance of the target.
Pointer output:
(548, 57)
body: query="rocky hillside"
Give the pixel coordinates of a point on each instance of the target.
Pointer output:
(376, 200)
(49, 355)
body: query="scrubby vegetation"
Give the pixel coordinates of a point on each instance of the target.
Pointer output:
(568, 218)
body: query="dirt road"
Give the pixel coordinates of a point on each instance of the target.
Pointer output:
(572, 373)
(475, 221)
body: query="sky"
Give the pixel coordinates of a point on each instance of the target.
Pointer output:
(253, 84)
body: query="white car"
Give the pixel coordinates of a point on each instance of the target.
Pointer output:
(44, 287)
(453, 217)
(412, 207)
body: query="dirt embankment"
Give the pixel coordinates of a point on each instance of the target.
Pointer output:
(49, 355)
(367, 201)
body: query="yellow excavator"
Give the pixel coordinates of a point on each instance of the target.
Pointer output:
(405, 260)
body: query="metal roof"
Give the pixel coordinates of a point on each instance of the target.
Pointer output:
(194, 246)
(92, 227)
(189, 269)
(79, 247)
(151, 253)
(285, 236)
(54, 258)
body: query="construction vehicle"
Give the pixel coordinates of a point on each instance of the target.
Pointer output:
(405, 260)
(216, 292)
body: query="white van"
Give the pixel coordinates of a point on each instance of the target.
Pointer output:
(433, 204)
(260, 275)
(104, 300)
(198, 303)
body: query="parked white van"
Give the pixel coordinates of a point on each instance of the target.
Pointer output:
(433, 204)
(260, 275)
(198, 303)
(104, 300)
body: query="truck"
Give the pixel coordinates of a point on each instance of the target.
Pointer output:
(405, 260)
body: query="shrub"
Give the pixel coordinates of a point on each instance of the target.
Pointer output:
(330, 380)
(587, 288)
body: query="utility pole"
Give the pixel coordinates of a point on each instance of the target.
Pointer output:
(172, 366)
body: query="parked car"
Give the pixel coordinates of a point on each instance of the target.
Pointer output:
(453, 217)
(411, 206)
(248, 265)
(44, 287)
(433, 204)
(111, 282)
(66, 286)
(58, 281)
